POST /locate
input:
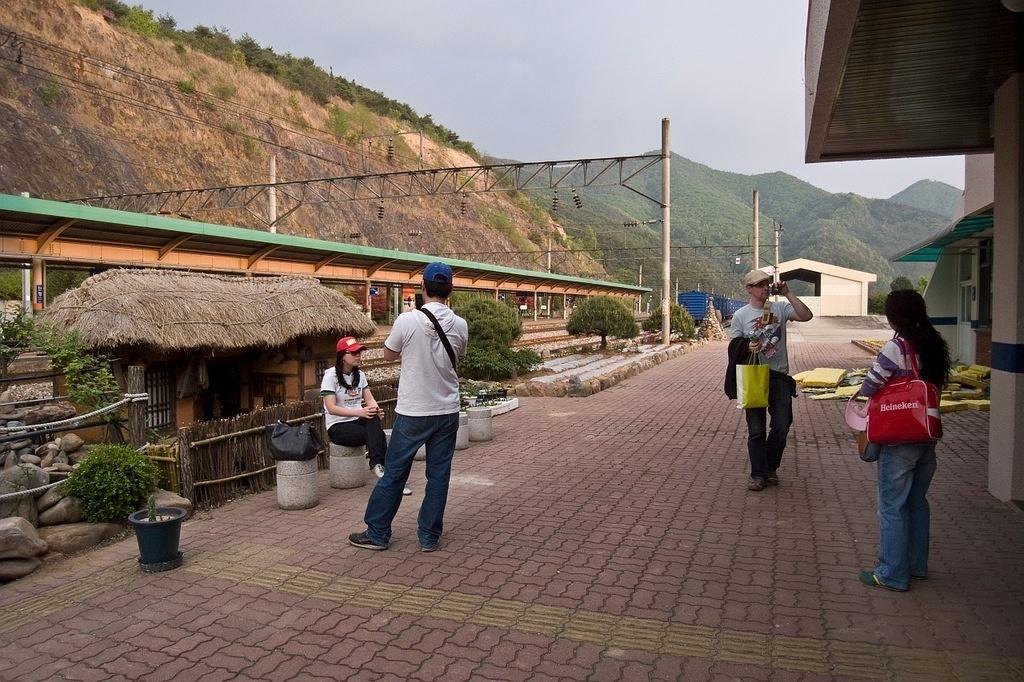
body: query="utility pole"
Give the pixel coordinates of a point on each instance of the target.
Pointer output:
(778, 243)
(640, 283)
(757, 231)
(549, 253)
(272, 194)
(666, 229)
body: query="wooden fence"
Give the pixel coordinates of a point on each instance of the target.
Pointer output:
(224, 458)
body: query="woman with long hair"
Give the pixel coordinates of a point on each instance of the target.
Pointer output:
(905, 471)
(351, 413)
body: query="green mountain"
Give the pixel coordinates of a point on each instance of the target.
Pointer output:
(712, 227)
(930, 195)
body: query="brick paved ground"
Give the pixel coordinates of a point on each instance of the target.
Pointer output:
(604, 538)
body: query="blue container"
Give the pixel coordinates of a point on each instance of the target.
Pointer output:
(695, 303)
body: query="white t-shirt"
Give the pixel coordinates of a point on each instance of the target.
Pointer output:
(343, 397)
(428, 384)
(750, 323)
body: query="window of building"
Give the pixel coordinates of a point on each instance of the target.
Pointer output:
(159, 380)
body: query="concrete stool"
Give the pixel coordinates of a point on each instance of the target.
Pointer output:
(348, 466)
(480, 424)
(297, 484)
(462, 436)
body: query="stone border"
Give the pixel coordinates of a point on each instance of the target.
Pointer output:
(575, 388)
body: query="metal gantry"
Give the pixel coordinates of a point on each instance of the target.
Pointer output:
(294, 194)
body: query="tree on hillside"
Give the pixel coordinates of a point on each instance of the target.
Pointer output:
(604, 316)
(922, 284)
(900, 283)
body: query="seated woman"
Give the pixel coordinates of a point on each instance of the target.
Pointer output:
(351, 413)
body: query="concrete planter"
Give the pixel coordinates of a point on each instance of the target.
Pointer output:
(297, 484)
(462, 436)
(480, 429)
(348, 466)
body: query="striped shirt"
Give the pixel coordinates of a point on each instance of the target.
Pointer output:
(889, 364)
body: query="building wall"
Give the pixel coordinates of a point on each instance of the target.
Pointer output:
(942, 299)
(842, 297)
(979, 181)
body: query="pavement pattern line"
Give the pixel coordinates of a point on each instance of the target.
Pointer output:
(261, 565)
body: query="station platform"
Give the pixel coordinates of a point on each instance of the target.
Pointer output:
(610, 537)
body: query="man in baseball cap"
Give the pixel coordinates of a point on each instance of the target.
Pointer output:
(437, 272)
(429, 341)
(760, 327)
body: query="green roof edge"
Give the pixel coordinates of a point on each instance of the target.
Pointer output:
(63, 209)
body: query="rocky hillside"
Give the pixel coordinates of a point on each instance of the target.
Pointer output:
(90, 107)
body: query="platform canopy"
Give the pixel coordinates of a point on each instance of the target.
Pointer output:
(59, 232)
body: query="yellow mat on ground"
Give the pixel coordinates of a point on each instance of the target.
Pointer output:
(978, 405)
(952, 406)
(823, 377)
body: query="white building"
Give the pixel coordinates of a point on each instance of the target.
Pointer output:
(838, 292)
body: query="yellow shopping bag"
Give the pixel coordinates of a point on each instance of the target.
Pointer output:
(752, 384)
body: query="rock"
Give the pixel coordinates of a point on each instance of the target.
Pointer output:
(47, 461)
(25, 476)
(29, 459)
(42, 450)
(49, 413)
(68, 510)
(7, 396)
(10, 460)
(12, 569)
(13, 416)
(165, 498)
(68, 538)
(60, 457)
(78, 455)
(19, 444)
(23, 507)
(63, 467)
(19, 540)
(50, 498)
(71, 442)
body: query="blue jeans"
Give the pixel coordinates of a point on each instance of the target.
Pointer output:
(904, 474)
(765, 447)
(407, 435)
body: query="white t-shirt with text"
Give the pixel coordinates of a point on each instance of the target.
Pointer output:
(770, 330)
(343, 397)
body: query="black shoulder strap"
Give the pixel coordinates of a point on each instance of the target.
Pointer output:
(444, 338)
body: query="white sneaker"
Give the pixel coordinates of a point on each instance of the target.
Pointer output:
(406, 491)
(378, 469)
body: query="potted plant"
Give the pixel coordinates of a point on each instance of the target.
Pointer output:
(110, 482)
(158, 530)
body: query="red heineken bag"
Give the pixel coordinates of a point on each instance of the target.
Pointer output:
(906, 409)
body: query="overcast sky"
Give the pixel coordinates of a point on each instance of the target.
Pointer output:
(538, 80)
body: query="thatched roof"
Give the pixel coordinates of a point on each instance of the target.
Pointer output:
(173, 310)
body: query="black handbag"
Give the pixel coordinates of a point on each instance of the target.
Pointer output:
(292, 442)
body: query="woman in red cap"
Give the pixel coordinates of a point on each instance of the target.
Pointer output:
(351, 413)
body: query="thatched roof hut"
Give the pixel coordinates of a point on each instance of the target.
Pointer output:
(172, 310)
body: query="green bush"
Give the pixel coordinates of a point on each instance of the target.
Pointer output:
(140, 20)
(493, 364)
(50, 92)
(491, 324)
(603, 316)
(876, 303)
(112, 482)
(680, 321)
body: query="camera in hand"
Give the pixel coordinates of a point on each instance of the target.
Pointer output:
(774, 289)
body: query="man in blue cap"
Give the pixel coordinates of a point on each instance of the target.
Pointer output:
(429, 341)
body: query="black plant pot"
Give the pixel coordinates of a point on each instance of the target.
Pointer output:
(158, 540)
